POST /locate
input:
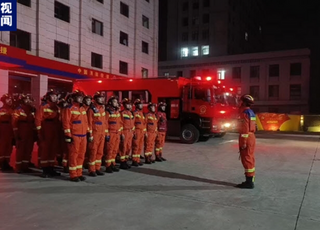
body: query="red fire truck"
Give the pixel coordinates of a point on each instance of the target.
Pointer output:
(197, 108)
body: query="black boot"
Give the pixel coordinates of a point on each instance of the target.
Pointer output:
(53, 173)
(134, 163)
(123, 165)
(99, 173)
(141, 157)
(163, 159)
(148, 160)
(248, 184)
(93, 174)
(109, 169)
(140, 163)
(129, 166)
(45, 172)
(82, 178)
(114, 168)
(158, 158)
(152, 160)
(75, 179)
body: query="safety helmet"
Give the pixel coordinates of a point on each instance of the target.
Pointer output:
(87, 96)
(126, 101)
(25, 96)
(97, 94)
(4, 97)
(247, 99)
(51, 92)
(77, 93)
(151, 104)
(137, 102)
(162, 104)
(111, 99)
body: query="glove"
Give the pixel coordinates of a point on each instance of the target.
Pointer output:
(107, 138)
(89, 137)
(68, 139)
(122, 137)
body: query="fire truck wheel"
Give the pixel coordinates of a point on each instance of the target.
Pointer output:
(189, 134)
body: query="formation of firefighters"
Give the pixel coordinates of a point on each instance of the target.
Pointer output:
(80, 131)
(92, 133)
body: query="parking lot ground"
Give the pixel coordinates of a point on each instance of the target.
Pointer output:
(194, 189)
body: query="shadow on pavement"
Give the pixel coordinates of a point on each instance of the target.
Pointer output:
(159, 173)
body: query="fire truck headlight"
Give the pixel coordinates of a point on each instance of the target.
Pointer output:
(227, 125)
(215, 127)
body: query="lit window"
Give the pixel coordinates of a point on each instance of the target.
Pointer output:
(166, 74)
(205, 50)
(246, 36)
(195, 51)
(221, 74)
(184, 52)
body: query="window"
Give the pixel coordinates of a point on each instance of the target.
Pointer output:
(205, 18)
(20, 39)
(96, 60)
(254, 92)
(25, 2)
(192, 73)
(195, 36)
(166, 74)
(185, 22)
(273, 91)
(145, 21)
(124, 9)
(184, 52)
(195, 51)
(123, 67)
(295, 92)
(295, 69)
(101, 1)
(18, 85)
(205, 50)
(205, 35)
(140, 94)
(145, 47)
(236, 72)
(185, 6)
(185, 36)
(61, 50)
(124, 38)
(61, 11)
(195, 5)
(195, 21)
(221, 74)
(254, 71)
(206, 3)
(144, 72)
(97, 27)
(200, 94)
(274, 70)
(179, 73)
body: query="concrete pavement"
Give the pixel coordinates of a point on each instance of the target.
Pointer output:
(193, 190)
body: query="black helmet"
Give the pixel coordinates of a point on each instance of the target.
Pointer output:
(247, 99)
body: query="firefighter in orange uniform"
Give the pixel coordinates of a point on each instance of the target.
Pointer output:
(128, 132)
(247, 140)
(97, 126)
(114, 127)
(23, 122)
(75, 125)
(69, 101)
(139, 134)
(162, 130)
(48, 126)
(6, 133)
(152, 131)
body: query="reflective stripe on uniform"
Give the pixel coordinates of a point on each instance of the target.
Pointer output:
(97, 114)
(48, 110)
(250, 170)
(245, 135)
(72, 168)
(67, 131)
(75, 112)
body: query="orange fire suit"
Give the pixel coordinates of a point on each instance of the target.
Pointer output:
(114, 127)
(6, 134)
(23, 123)
(48, 126)
(97, 127)
(75, 125)
(152, 131)
(246, 128)
(128, 132)
(140, 130)
(162, 129)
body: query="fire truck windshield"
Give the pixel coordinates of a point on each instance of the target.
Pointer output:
(203, 93)
(222, 97)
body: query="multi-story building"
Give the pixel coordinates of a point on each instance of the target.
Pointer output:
(58, 41)
(198, 29)
(278, 81)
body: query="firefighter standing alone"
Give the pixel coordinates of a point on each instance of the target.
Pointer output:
(247, 140)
